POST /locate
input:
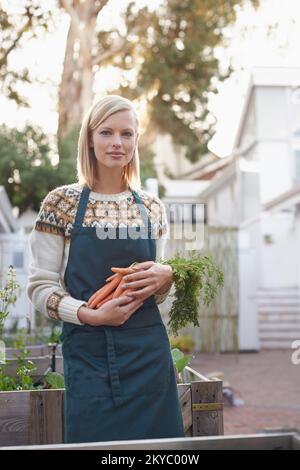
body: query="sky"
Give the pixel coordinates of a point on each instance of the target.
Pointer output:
(269, 36)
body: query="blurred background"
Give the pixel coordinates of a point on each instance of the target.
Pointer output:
(217, 88)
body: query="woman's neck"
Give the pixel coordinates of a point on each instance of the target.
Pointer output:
(109, 188)
(109, 182)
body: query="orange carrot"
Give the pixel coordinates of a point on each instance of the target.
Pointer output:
(109, 297)
(104, 291)
(111, 277)
(122, 270)
(119, 289)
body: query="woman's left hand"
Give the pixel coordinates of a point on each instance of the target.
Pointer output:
(150, 278)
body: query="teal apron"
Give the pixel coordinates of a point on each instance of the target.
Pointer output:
(120, 381)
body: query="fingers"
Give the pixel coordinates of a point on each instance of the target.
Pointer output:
(138, 284)
(141, 294)
(123, 300)
(143, 265)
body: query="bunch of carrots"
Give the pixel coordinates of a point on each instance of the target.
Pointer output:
(113, 287)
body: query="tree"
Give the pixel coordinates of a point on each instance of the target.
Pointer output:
(26, 170)
(173, 51)
(18, 24)
(177, 66)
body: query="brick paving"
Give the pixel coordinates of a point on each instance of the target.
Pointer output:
(267, 381)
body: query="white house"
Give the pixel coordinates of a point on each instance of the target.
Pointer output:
(14, 251)
(257, 191)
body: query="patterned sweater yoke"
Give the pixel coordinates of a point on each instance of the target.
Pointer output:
(51, 236)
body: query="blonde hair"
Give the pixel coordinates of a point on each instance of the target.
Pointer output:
(86, 160)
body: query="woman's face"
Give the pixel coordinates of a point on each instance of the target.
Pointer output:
(114, 141)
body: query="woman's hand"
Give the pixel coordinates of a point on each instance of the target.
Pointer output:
(150, 278)
(114, 312)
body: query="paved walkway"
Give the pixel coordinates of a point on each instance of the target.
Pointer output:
(267, 381)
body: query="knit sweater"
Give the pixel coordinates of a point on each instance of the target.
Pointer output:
(50, 238)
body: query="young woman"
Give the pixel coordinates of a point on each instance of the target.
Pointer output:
(119, 377)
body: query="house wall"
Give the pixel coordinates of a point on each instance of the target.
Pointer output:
(170, 157)
(222, 205)
(11, 246)
(272, 118)
(280, 233)
(249, 132)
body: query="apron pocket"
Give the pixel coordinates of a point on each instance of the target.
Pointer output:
(86, 369)
(144, 360)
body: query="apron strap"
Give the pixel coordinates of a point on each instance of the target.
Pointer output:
(84, 197)
(146, 229)
(142, 210)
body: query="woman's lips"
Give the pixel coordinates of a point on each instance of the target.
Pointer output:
(115, 155)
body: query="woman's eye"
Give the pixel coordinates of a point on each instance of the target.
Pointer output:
(127, 134)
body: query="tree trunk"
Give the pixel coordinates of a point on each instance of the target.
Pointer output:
(69, 105)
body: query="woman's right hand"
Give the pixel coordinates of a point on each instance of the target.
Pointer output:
(114, 312)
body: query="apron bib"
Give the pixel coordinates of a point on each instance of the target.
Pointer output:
(120, 381)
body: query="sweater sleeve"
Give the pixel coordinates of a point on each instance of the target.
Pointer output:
(44, 287)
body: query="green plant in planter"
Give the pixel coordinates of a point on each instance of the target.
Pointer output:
(55, 380)
(25, 367)
(196, 278)
(180, 361)
(8, 295)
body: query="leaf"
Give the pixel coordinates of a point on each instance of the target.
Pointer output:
(176, 354)
(183, 362)
(55, 380)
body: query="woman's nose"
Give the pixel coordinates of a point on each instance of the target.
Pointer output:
(117, 140)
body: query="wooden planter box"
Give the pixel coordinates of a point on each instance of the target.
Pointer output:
(36, 417)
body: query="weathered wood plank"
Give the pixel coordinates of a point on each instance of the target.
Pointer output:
(36, 350)
(46, 417)
(14, 412)
(184, 393)
(207, 423)
(31, 417)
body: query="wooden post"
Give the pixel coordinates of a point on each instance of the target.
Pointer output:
(46, 417)
(207, 408)
(184, 393)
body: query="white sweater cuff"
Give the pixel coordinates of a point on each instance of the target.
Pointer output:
(68, 308)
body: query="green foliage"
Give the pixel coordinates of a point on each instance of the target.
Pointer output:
(173, 50)
(8, 295)
(25, 367)
(26, 170)
(55, 380)
(180, 360)
(147, 168)
(196, 279)
(26, 20)
(67, 150)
